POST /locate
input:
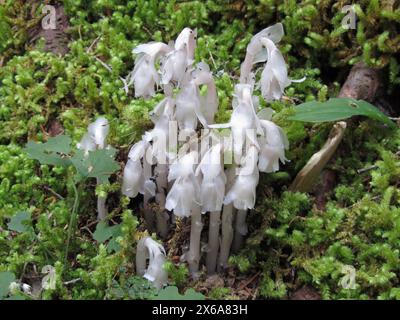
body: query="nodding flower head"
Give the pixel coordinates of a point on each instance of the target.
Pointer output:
(144, 75)
(188, 108)
(133, 181)
(87, 144)
(202, 74)
(212, 188)
(272, 147)
(208, 103)
(184, 166)
(96, 136)
(274, 78)
(243, 191)
(185, 191)
(273, 33)
(187, 39)
(176, 63)
(173, 67)
(98, 130)
(149, 249)
(256, 53)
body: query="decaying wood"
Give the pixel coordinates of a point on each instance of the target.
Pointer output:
(305, 179)
(56, 40)
(323, 190)
(363, 83)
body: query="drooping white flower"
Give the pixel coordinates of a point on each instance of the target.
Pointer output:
(96, 136)
(274, 78)
(98, 130)
(272, 147)
(173, 66)
(134, 180)
(185, 192)
(208, 104)
(162, 116)
(212, 188)
(16, 287)
(188, 104)
(255, 51)
(87, 143)
(348, 281)
(148, 249)
(244, 123)
(187, 39)
(243, 191)
(176, 62)
(144, 76)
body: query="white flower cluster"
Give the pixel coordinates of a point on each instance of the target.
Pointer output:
(96, 138)
(196, 180)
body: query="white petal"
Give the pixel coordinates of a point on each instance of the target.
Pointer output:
(98, 130)
(132, 182)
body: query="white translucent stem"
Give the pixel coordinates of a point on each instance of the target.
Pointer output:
(227, 236)
(101, 206)
(195, 234)
(162, 217)
(240, 230)
(213, 242)
(227, 220)
(148, 213)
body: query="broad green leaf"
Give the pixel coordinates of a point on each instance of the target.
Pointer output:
(102, 232)
(20, 222)
(59, 144)
(5, 280)
(102, 164)
(113, 245)
(50, 152)
(171, 293)
(81, 164)
(105, 232)
(96, 164)
(338, 109)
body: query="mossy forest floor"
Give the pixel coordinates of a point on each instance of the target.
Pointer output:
(292, 244)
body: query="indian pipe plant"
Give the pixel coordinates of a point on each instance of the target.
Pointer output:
(185, 163)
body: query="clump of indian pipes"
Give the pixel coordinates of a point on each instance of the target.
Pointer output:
(182, 162)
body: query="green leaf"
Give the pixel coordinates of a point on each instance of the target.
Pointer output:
(20, 222)
(5, 280)
(97, 164)
(113, 245)
(103, 164)
(81, 164)
(50, 152)
(338, 109)
(171, 293)
(59, 144)
(105, 232)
